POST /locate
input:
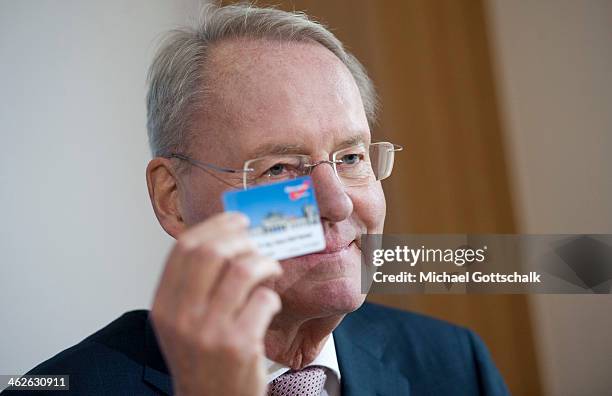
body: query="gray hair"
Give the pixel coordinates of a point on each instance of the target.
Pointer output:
(176, 77)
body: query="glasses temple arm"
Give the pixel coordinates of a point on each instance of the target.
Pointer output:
(209, 166)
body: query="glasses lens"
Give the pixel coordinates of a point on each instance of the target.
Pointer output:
(274, 168)
(363, 165)
(382, 156)
(355, 167)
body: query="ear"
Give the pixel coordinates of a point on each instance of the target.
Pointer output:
(163, 186)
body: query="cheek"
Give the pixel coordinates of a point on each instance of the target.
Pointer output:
(201, 200)
(370, 207)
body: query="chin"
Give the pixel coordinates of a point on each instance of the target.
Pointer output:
(323, 284)
(331, 297)
(342, 295)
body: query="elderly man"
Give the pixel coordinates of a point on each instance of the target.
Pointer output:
(278, 92)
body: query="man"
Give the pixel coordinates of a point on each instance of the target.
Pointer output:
(249, 84)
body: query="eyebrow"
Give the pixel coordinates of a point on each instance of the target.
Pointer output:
(351, 141)
(281, 149)
(277, 149)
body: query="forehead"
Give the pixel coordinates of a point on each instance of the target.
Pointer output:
(264, 93)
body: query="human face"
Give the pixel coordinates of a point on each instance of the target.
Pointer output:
(267, 96)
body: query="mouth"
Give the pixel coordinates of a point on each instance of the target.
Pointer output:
(335, 261)
(335, 249)
(339, 249)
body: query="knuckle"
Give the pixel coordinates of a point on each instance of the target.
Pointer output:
(235, 350)
(276, 266)
(254, 343)
(277, 304)
(242, 271)
(268, 297)
(210, 251)
(234, 219)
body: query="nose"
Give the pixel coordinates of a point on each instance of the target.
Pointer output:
(334, 203)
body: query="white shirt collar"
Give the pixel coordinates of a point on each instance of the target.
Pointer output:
(326, 358)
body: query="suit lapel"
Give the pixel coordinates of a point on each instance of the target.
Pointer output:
(360, 345)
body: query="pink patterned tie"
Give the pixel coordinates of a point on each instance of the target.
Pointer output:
(306, 382)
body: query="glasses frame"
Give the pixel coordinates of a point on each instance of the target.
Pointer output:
(246, 170)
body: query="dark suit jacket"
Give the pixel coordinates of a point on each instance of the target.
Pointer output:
(381, 351)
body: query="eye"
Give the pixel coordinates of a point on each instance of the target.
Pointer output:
(351, 159)
(276, 170)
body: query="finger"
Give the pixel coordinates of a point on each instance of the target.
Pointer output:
(204, 267)
(242, 274)
(258, 312)
(221, 223)
(225, 226)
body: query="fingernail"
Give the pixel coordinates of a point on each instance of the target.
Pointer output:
(239, 217)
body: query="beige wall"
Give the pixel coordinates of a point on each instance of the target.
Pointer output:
(554, 71)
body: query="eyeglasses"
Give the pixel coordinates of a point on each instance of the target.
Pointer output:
(354, 166)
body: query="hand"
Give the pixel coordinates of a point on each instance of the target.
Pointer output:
(210, 312)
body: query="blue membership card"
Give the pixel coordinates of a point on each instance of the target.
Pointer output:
(284, 217)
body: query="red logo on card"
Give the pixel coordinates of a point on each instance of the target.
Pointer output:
(299, 191)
